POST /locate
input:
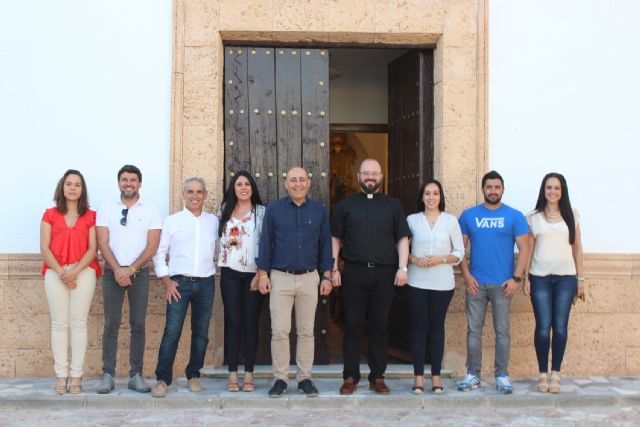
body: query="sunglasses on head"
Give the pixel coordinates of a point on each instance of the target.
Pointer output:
(123, 220)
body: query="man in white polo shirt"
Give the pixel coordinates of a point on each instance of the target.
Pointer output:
(189, 238)
(128, 233)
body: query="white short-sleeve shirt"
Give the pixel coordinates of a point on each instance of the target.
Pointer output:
(445, 238)
(128, 241)
(552, 253)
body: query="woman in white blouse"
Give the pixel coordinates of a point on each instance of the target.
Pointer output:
(555, 274)
(240, 227)
(436, 245)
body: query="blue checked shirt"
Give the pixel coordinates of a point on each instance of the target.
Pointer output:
(295, 238)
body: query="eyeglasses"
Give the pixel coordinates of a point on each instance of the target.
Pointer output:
(123, 220)
(371, 174)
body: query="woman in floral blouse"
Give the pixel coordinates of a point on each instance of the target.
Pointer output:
(240, 227)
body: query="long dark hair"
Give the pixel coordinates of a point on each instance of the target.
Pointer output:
(61, 201)
(420, 203)
(230, 199)
(565, 203)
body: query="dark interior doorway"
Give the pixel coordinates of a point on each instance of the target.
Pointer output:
(327, 110)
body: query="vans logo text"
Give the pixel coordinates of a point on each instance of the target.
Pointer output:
(490, 222)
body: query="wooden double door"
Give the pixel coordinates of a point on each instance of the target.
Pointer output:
(276, 116)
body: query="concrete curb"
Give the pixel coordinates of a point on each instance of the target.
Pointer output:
(295, 402)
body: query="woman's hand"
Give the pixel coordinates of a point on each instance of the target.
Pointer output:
(254, 284)
(580, 292)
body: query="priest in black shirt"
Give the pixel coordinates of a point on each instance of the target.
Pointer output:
(373, 232)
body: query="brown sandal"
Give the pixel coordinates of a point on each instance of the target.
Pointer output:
(76, 385)
(543, 384)
(233, 385)
(554, 383)
(248, 385)
(61, 386)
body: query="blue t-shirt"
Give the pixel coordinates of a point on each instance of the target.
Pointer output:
(492, 234)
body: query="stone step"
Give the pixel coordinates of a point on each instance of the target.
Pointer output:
(323, 371)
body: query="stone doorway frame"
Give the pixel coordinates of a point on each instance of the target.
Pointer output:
(458, 30)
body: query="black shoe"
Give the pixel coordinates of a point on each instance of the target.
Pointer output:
(306, 386)
(279, 389)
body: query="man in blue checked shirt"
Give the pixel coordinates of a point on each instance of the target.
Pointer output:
(295, 245)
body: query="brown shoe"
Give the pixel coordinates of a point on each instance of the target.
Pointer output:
(194, 385)
(160, 389)
(379, 386)
(348, 386)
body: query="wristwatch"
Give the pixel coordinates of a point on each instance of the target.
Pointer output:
(444, 259)
(403, 268)
(517, 279)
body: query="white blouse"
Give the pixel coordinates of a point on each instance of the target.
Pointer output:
(240, 240)
(552, 253)
(445, 238)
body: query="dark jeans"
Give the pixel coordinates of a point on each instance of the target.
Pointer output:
(551, 297)
(138, 296)
(199, 293)
(367, 295)
(241, 314)
(428, 310)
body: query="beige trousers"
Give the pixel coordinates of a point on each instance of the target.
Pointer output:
(69, 311)
(301, 292)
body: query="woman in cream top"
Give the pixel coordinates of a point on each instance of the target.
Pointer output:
(436, 245)
(240, 229)
(555, 274)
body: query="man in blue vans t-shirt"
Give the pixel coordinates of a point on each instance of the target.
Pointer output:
(491, 228)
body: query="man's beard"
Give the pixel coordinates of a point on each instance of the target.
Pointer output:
(370, 190)
(490, 202)
(128, 197)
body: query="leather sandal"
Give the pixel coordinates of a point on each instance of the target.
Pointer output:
(543, 384)
(75, 387)
(61, 386)
(233, 385)
(248, 385)
(554, 382)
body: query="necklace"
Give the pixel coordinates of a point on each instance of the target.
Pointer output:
(554, 214)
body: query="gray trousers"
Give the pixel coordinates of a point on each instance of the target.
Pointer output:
(138, 296)
(476, 306)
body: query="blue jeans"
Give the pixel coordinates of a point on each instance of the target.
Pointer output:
(551, 297)
(476, 306)
(198, 292)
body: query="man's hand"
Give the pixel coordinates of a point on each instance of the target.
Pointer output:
(325, 287)
(170, 289)
(401, 278)
(264, 285)
(123, 276)
(510, 288)
(336, 278)
(472, 284)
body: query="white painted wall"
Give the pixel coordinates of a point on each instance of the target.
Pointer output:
(564, 96)
(83, 85)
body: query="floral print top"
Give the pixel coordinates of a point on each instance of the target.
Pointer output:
(240, 240)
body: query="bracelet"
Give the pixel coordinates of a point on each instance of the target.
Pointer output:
(326, 278)
(580, 278)
(133, 269)
(262, 276)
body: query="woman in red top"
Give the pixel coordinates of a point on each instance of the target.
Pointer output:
(68, 246)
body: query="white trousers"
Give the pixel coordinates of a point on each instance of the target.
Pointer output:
(69, 312)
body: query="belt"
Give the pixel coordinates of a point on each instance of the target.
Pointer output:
(188, 278)
(296, 272)
(370, 264)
